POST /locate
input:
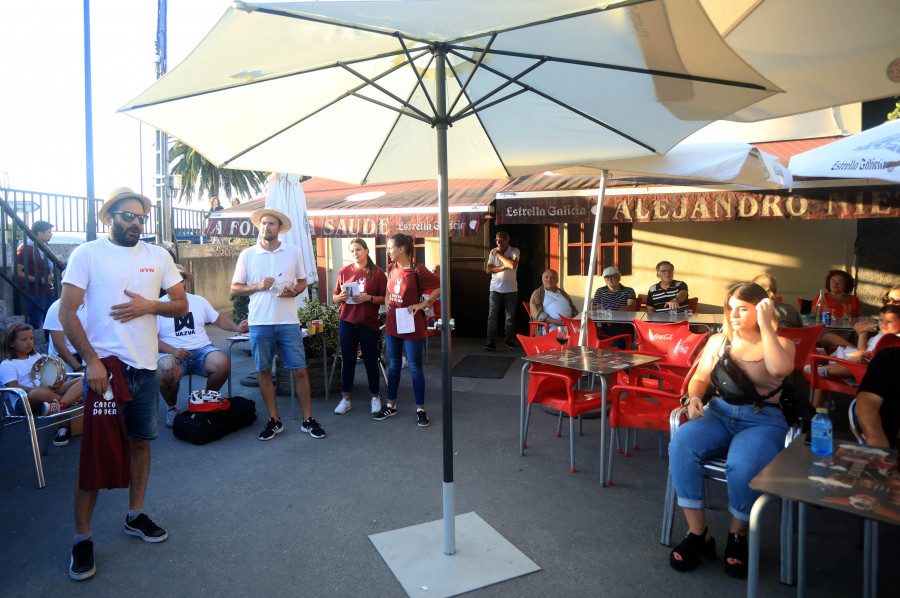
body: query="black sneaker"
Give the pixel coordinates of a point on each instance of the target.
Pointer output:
(312, 427)
(62, 437)
(422, 419)
(385, 413)
(512, 343)
(81, 563)
(490, 346)
(144, 528)
(272, 428)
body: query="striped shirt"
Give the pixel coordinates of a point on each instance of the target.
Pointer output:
(657, 297)
(613, 300)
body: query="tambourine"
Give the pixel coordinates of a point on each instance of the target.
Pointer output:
(49, 371)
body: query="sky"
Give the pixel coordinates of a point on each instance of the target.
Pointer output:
(42, 120)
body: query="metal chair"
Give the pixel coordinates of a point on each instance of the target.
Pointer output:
(714, 469)
(40, 427)
(854, 423)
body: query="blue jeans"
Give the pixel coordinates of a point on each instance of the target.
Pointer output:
(352, 336)
(509, 301)
(140, 414)
(263, 340)
(750, 441)
(193, 365)
(36, 312)
(396, 347)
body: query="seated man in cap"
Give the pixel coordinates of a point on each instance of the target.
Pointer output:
(615, 297)
(878, 400)
(549, 302)
(186, 350)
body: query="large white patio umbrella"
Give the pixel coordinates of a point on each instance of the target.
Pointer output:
(407, 90)
(284, 192)
(872, 154)
(824, 53)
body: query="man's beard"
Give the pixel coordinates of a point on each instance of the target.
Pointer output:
(120, 234)
(269, 237)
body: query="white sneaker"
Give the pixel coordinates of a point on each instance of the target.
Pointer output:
(171, 412)
(404, 363)
(376, 404)
(343, 407)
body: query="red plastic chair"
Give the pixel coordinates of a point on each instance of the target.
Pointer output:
(534, 326)
(573, 326)
(857, 370)
(555, 388)
(642, 406)
(804, 339)
(655, 338)
(541, 344)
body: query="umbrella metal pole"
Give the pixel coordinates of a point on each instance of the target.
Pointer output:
(601, 193)
(446, 372)
(91, 228)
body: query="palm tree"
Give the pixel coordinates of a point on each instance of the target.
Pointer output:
(199, 175)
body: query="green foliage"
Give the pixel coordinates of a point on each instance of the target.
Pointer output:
(895, 113)
(240, 308)
(327, 314)
(199, 175)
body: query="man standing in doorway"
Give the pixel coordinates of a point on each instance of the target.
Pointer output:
(668, 294)
(272, 274)
(502, 266)
(118, 279)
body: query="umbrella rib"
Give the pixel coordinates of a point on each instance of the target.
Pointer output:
(465, 85)
(416, 71)
(470, 110)
(564, 105)
(483, 128)
(619, 67)
(394, 108)
(323, 107)
(272, 78)
(424, 116)
(515, 79)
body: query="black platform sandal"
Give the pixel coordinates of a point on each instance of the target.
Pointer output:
(736, 550)
(691, 549)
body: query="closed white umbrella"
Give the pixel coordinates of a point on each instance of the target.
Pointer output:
(284, 192)
(407, 90)
(872, 154)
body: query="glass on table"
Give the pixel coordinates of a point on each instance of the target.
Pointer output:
(562, 335)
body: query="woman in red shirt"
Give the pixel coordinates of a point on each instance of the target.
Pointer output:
(838, 286)
(358, 315)
(405, 282)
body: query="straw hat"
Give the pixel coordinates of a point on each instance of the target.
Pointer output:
(117, 195)
(256, 216)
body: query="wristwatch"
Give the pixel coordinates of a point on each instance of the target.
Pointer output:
(371, 299)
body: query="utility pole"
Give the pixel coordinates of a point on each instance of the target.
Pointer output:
(163, 184)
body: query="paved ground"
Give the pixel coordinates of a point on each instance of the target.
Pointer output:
(292, 516)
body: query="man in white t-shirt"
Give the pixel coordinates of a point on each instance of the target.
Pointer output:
(549, 302)
(118, 279)
(502, 265)
(186, 349)
(61, 347)
(272, 274)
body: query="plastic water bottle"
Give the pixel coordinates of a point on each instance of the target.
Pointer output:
(821, 432)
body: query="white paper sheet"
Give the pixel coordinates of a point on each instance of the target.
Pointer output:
(406, 322)
(353, 288)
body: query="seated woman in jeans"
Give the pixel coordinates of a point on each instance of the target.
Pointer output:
(745, 366)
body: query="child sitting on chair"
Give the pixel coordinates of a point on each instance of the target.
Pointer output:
(18, 357)
(888, 322)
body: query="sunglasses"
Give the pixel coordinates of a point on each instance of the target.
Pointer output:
(130, 216)
(892, 300)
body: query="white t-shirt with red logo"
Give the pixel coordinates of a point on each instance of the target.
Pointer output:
(189, 330)
(105, 270)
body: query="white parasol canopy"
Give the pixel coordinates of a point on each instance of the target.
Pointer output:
(284, 192)
(872, 154)
(824, 53)
(403, 90)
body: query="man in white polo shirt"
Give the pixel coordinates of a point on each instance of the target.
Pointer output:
(272, 274)
(502, 265)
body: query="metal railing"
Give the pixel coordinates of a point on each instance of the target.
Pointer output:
(68, 213)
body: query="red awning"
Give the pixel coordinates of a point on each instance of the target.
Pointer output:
(783, 150)
(338, 209)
